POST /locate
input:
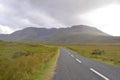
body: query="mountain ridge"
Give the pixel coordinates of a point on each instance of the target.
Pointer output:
(74, 34)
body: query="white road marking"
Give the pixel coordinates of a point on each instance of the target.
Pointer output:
(99, 74)
(72, 55)
(78, 60)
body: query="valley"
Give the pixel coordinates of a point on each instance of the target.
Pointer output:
(33, 53)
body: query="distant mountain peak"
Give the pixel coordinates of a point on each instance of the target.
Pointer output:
(80, 26)
(74, 34)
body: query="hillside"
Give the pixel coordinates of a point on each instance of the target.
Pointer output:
(74, 34)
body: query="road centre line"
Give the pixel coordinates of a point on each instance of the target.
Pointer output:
(72, 55)
(93, 70)
(78, 60)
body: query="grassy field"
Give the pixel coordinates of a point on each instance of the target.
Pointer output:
(26, 61)
(105, 53)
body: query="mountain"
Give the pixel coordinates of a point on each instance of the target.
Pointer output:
(74, 34)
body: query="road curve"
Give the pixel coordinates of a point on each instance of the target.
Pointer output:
(72, 66)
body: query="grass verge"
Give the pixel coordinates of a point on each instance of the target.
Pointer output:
(109, 54)
(47, 71)
(23, 61)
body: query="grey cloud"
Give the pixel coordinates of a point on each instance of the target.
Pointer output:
(64, 10)
(49, 13)
(22, 14)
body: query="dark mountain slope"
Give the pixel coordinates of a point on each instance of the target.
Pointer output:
(74, 34)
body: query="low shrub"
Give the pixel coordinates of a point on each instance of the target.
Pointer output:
(19, 54)
(97, 52)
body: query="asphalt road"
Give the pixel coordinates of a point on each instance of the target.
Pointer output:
(72, 66)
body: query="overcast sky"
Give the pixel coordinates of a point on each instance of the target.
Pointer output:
(19, 14)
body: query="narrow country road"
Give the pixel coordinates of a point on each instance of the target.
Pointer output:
(72, 66)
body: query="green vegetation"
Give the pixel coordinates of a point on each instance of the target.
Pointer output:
(26, 61)
(105, 53)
